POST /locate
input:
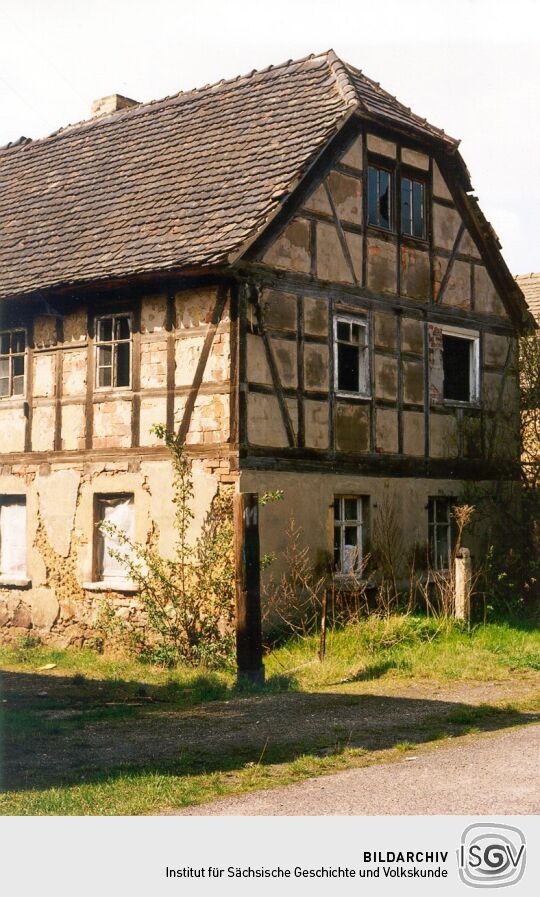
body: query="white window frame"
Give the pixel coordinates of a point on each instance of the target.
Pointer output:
(121, 581)
(473, 337)
(364, 374)
(13, 575)
(10, 356)
(341, 524)
(112, 344)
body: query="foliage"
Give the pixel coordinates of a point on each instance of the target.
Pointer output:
(187, 600)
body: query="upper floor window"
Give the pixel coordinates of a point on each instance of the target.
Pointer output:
(380, 197)
(113, 351)
(351, 355)
(441, 536)
(348, 533)
(12, 363)
(412, 208)
(460, 366)
(13, 537)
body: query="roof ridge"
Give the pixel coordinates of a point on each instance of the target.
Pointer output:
(344, 83)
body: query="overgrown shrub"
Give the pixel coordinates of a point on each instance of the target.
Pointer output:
(187, 601)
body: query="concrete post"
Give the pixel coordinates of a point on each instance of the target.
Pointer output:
(463, 585)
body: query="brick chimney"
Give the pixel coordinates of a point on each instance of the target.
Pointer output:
(114, 103)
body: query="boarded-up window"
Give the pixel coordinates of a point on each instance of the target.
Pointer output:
(117, 510)
(13, 537)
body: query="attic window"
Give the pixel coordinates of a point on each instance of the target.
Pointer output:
(379, 197)
(460, 367)
(12, 356)
(113, 351)
(412, 208)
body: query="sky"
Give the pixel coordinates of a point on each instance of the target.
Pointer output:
(469, 66)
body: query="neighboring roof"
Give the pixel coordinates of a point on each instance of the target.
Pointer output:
(530, 286)
(179, 183)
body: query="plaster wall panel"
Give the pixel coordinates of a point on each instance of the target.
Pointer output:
(413, 433)
(258, 370)
(439, 184)
(153, 364)
(355, 245)
(153, 314)
(74, 372)
(346, 192)
(12, 429)
(44, 331)
(187, 353)
(412, 336)
(75, 326)
(153, 411)
(316, 317)
(73, 427)
(278, 310)
(316, 367)
(265, 423)
(284, 352)
(353, 157)
(496, 349)
(291, 249)
(318, 201)
(458, 287)
(112, 424)
(331, 262)
(194, 308)
(352, 427)
(486, 297)
(446, 223)
(381, 266)
(387, 430)
(415, 273)
(58, 492)
(385, 333)
(43, 418)
(443, 436)
(414, 158)
(316, 424)
(44, 375)
(381, 146)
(413, 382)
(386, 377)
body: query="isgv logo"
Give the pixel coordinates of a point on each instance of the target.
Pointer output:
(491, 855)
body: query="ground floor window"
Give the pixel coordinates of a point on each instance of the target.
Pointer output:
(441, 531)
(13, 537)
(348, 532)
(117, 510)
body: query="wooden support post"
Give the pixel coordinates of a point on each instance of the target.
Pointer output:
(322, 646)
(463, 585)
(248, 589)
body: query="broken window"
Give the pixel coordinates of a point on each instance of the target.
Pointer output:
(379, 197)
(348, 533)
(13, 537)
(12, 363)
(412, 208)
(113, 351)
(117, 510)
(351, 356)
(441, 531)
(460, 368)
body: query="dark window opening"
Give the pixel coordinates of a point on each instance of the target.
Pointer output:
(113, 351)
(379, 197)
(457, 363)
(348, 533)
(412, 208)
(351, 352)
(12, 363)
(441, 532)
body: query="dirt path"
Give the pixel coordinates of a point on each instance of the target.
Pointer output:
(494, 774)
(226, 735)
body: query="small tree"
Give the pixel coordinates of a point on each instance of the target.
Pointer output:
(187, 601)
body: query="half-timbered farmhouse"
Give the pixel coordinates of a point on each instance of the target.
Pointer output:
(291, 271)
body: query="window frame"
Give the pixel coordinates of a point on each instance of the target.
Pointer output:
(342, 523)
(413, 178)
(434, 525)
(386, 166)
(113, 344)
(10, 357)
(473, 337)
(11, 577)
(364, 365)
(98, 572)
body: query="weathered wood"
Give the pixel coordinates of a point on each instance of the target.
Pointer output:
(340, 232)
(287, 423)
(450, 265)
(249, 652)
(170, 325)
(136, 374)
(322, 641)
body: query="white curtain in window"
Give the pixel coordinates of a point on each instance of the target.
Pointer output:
(13, 538)
(119, 512)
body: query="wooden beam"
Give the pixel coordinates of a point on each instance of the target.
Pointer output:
(450, 265)
(249, 650)
(287, 423)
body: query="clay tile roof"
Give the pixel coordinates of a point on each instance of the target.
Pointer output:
(530, 286)
(179, 183)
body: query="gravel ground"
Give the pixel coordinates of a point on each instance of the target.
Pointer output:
(494, 774)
